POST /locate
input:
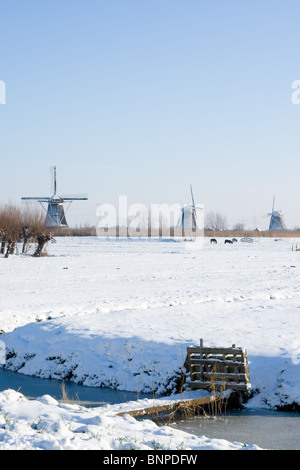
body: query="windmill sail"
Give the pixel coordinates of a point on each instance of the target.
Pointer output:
(54, 206)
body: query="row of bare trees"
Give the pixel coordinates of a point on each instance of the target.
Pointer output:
(215, 221)
(23, 225)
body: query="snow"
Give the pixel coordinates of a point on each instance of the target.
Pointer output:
(121, 313)
(45, 424)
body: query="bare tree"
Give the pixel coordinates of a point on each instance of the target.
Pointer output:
(215, 221)
(239, 227)
(11, 228)
(33, 224)
(35, 230)
(42, 240)
(27, 225)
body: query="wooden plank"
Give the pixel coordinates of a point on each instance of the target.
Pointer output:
(197, 384)
(216, 353)
(184, 404)
(197, 349)
(240, 374)
(218, 360)
(212, 362)
(224, 376)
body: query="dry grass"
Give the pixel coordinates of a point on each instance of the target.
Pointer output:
(93, 232)
(175, 232)
(253, 234)
(65, 398)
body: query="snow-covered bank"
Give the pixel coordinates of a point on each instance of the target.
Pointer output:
(121, 313)
(144, 350)
(45, 424)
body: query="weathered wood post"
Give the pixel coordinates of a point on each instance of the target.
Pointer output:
(201, 365)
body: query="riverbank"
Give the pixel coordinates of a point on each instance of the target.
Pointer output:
(121, 313)
(45, 424)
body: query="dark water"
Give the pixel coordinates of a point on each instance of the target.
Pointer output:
(33, 387)
(276, 430)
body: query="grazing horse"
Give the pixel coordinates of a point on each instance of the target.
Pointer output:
(213, 240)
(234, 240)
(228, 241)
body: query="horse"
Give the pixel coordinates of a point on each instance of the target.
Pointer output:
(213, 240)
(228, 241)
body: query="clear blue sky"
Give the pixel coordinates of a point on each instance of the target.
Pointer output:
(145, 97)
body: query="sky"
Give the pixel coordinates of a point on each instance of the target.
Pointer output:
(141, 98)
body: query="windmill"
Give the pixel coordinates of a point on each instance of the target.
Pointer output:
(189, 220)
(276, 220)
(54, 206)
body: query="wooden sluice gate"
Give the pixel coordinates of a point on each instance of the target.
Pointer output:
(218, 369)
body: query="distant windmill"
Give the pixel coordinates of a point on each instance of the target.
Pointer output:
(54, 206)
(189, 220)
(276, 220)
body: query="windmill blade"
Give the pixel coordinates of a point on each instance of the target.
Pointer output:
(43, 199)
(180, 219)
(194, 214)
(53, 184)
(54, 180)
(74, 197)
(273, 204)
(191, 189)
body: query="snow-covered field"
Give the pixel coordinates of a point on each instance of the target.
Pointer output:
(121, 313)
